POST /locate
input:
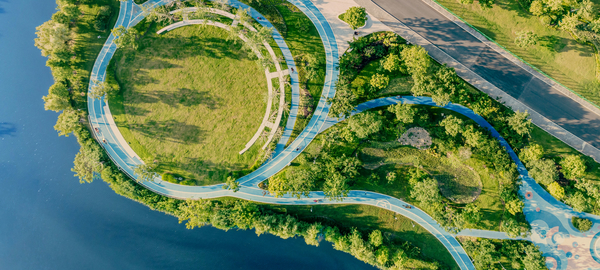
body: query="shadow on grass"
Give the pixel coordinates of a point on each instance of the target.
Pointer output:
(170, 131)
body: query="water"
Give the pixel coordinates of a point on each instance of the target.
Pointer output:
(50, 221)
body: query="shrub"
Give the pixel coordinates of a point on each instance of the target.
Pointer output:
(379, 81)
(169, 178)
(573, 167)
(355, 16)
(582, 224)
(543, 171)
(556, 190)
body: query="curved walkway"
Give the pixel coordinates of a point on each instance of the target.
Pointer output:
(117, 147)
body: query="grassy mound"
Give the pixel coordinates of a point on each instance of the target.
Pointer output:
(191, 100)
(456, 181)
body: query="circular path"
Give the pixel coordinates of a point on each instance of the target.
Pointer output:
(564, 246)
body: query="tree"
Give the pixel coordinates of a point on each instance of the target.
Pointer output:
(473, 137)
(100, 89)
(312, 233)
(533, 258)
(300, 182)
(404, 113)
(555, 5)
(223, 5)
(60, 17)
(336, 187)
(586, 11)
(569, 22)
(485, 4)
(484, 254)
(543, 171)
(391, 63)
(382, 256)
(145, 172)
(426, 192)
(71, 11)
(375, 238)
(531, 153)
(355, 17)
(125, 37)
(416, 60)
(391, 177)
(196, 213)
(88, 162)
(556, 190)
(472, 213)
(537, 8)
(231, 184)
(526, 39)
(519, 123)
(57, 98)
(573, 167)
(452, 125)
(511, 227)
(278, 186)
(379, 81)
(68, 122)
(514, 206)
(342, 104)
(365, 124)
(52, 36)
(579, 202)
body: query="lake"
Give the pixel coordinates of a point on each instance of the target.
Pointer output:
(50, 221)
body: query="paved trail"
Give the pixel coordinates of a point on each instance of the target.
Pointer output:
(548, 216)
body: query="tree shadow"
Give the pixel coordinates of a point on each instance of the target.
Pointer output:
(7, 129)
(170, 131)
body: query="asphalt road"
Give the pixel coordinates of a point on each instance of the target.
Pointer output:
(495, 68)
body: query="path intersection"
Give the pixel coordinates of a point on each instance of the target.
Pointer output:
(563, 245)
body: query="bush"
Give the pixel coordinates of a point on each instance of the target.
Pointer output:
(582, 224)
(543, 171)
(573, 167)
(556, 191)
(169, 178)
(356, 17)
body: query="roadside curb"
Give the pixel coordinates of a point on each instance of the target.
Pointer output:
(480, 83)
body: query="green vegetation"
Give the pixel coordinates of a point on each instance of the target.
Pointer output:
(356, 17)
(582, 224)
(192, 100)
(503, 254)
(399, 244)
(567, 43)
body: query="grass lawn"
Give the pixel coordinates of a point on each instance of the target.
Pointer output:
(366, 218)
(557, 53)
(191, 100)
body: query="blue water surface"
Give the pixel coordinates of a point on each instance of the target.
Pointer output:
(50, 221)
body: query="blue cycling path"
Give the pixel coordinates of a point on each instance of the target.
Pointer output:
(550, 218)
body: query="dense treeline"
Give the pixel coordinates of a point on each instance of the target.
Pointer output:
(443, 85)
(503, 254)
(371, 247)
(59, 39)
(565, 181)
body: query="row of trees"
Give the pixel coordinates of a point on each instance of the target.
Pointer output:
(57, 39)
(443, 85)
(487, 254)
(228, 214)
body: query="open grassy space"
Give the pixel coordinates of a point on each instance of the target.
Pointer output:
(192, 100)
(366, 218)
(556, 54)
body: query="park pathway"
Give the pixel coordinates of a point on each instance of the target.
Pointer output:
(564, 246)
